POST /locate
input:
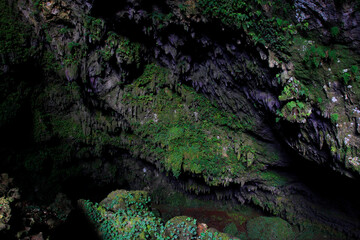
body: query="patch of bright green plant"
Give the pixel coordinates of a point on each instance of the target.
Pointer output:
(295, 111)
(294, 90)
(334, 117)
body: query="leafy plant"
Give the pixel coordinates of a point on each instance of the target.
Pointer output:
(94, 28)
(317, 55)
(352, 75)
(294, 89)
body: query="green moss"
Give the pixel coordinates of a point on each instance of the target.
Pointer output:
(273, 178)
(121, 199)
(186, 131)
(269, 228)
(317, 55)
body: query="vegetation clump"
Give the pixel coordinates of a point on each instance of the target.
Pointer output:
(269, 228)
(127, 215)
(187, 132)
(251, 17)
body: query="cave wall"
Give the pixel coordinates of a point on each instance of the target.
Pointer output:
(229, 95)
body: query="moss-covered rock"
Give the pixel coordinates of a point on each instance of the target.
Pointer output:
(122, 199)
(269, 228)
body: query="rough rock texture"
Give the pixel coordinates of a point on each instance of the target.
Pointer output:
(198, 95)
(324, 15)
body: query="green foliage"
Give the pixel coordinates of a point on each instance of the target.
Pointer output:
(160, 20)
(351, 76)
(250, 16)
(125, 51)
(315, 56)
(294, 89)
(269, 228)
(296, 111)
(94, 28)
(187, 132)
(127, 215)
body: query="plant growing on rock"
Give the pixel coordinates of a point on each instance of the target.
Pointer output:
(250, 17)
(94, 28)
(351, 76)
(316, 55)
(191, 134)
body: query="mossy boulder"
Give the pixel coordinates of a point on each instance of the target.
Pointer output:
(269, 228)
(122, 199)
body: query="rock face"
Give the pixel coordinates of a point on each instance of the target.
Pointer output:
(341, 18)
(227, 95)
